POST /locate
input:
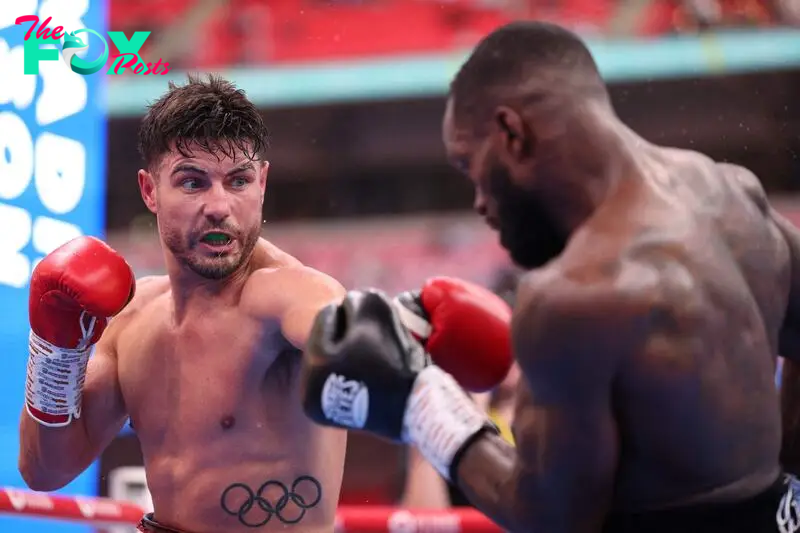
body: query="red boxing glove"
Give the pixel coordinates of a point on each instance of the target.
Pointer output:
(464, 327)
(73, 293)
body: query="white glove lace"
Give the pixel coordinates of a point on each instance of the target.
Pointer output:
(56, 375)
(440, 418)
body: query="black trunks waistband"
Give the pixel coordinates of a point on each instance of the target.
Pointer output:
(758, 514)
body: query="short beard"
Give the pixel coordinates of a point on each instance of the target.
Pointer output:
(212, 268)
(526, 230)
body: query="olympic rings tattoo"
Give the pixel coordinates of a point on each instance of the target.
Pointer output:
(270, 509)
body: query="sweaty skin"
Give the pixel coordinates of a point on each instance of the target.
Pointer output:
(657, 329)
(204, 361)
(213, 399)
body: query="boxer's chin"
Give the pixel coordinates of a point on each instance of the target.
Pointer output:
(527, 258)
(214, 262)
(215, 267)
(220, 266)
(527, 232)
(529, 248)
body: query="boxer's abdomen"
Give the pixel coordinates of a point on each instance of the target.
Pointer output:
(215, 406)
(215, 488)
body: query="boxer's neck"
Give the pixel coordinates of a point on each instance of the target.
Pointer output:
(585, 165)
(190, 290)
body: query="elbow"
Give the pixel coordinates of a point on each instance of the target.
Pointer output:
(519, 516)
(43, 483)
(49, 462)
(38, 479)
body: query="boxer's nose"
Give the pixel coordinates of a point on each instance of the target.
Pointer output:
(217, 207)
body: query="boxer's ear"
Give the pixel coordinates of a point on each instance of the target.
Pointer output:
(148, 189)
(263, 171)
(513, 140)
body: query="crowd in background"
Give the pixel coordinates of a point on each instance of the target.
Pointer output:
(257, 32)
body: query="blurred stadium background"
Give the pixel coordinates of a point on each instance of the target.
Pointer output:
(353, 93)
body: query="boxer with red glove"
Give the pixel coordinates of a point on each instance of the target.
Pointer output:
(73, 293)
(363, 370)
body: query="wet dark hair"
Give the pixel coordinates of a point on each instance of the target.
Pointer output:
(211, 114)
(524, 60)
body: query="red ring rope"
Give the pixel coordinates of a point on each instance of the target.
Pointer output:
(350, 519)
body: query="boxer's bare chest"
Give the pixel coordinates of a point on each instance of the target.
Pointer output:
(214, 404)
(218, 372)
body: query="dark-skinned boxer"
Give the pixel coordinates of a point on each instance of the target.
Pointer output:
(663, 286)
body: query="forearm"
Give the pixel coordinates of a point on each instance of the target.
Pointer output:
(459, 441)
(790, 415)
(51, 457)
(424, 487)
(486, 476)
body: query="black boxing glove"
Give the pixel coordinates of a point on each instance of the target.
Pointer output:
(363, 370)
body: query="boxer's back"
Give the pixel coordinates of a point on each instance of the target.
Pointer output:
(695, 403)
(212, 397)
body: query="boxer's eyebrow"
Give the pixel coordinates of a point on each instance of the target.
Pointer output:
(241, 168)
(186, 167)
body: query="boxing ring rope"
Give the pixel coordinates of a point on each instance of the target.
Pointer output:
(350, 519)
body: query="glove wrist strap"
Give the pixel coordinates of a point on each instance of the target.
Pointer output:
(415, 323)
(54, 385)
(441, 419)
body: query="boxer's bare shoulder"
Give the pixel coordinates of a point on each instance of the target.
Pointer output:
(747, 181)
(567, 333)
(148, 288)
(289, 292)
(564, 314)
(656, 307)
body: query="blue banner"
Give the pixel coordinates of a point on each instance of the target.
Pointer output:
(52, 188)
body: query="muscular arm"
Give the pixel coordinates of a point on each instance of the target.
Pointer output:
(50, 458)
(318, 290)
(560, 477)
(294, 295)
(424, 487)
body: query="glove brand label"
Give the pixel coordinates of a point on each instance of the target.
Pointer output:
(345, 401)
